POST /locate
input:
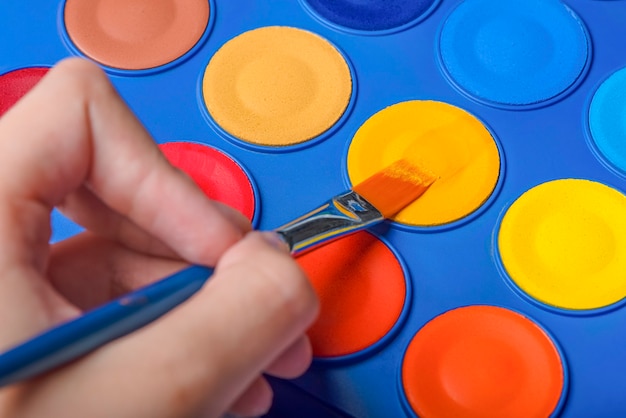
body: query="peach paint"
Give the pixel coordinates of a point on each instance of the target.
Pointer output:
(135, 34)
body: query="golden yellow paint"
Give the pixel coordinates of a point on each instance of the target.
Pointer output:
(564, 243)
(277, 86)
(446, 140)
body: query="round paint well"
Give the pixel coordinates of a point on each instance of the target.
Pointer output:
(363, 294)
(483, 361)
(607, 119)
(370, 15)
(448, 141)
(277, 86)
(217, 174)
(563, 243)
(513, 53)
(135, 34)
(15, 84)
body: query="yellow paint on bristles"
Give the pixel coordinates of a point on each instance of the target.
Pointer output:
(395, 187)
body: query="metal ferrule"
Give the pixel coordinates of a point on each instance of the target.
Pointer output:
(344, 214)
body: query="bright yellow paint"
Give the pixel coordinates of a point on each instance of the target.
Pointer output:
(448, 141)
(277, 86)
(564, 243)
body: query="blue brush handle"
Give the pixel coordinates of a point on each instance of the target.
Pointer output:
(86, 333)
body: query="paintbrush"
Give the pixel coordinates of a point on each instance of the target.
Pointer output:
(377, 198)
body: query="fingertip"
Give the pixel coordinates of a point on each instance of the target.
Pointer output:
(76, 64)
(270, 260)
(255, 401)
(80, 74)
(276, 241)
(235, 217)
(212, 237)
(294, 361)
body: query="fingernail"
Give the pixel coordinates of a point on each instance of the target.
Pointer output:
(275, 240)
(234, 216)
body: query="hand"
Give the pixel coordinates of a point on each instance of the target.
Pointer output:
(71, 143)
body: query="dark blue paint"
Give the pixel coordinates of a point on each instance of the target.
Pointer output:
(370, 15)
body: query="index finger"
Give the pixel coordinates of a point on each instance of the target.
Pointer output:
(90, 137)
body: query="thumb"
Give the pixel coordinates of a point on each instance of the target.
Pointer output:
(205, 353)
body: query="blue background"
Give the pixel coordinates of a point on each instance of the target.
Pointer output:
(448, 267)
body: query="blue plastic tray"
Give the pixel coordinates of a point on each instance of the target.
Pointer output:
(541, 128)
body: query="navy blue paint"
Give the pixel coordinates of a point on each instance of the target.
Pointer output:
(370, 15)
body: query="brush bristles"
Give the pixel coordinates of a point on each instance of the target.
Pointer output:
(395, 187)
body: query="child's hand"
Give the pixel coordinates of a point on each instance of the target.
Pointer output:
(73, 144)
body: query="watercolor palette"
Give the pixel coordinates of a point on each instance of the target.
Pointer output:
(501, 291)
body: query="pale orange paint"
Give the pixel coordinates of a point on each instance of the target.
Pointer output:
(277, 86)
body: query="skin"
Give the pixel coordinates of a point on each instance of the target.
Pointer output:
(72, 143)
